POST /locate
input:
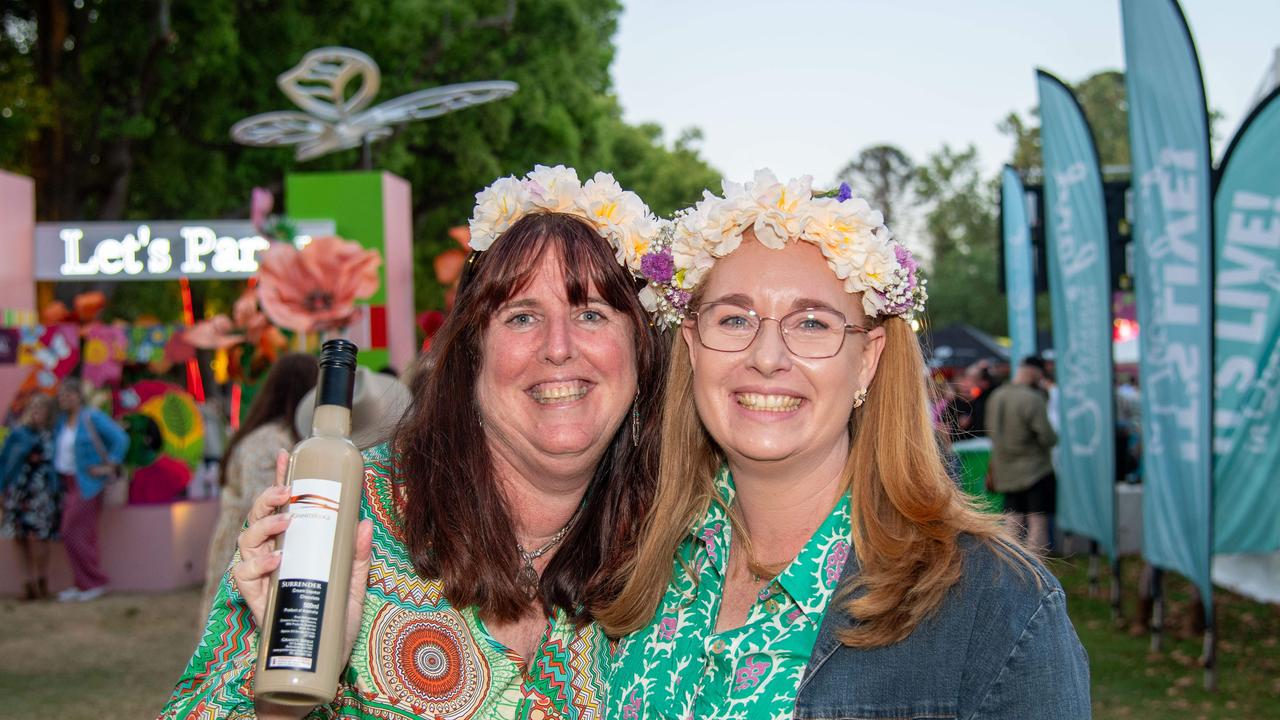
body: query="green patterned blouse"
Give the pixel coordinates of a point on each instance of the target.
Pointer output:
(417, 656)
(679, 667)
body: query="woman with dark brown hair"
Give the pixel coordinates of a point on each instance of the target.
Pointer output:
(249, 463)
(499, 513)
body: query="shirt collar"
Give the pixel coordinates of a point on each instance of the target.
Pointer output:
(811, 578)
(713, 530)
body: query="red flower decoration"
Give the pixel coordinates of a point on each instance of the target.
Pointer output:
(316, 288)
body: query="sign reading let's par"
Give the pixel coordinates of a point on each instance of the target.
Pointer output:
(156, 250)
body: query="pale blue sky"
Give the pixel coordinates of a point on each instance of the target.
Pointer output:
(802, 85)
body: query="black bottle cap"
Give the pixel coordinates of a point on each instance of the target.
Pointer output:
(337, 373)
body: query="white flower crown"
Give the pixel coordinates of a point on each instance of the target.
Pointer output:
(618, 215)
(852, 236)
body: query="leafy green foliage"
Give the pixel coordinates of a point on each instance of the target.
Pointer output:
(960, 223)
(882, 174)
(1102, 96)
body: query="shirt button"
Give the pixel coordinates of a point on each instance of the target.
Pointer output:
(717, 647)
(771, 606)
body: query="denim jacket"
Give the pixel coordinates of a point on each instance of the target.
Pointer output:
(114, 440)
(998, 647)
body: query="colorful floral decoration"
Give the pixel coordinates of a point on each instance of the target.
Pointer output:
(316, 288)
(429, 322)
(147, 342)
(449, 264)
(85, 309)
(271, 227)
(166, 439)
(52, 352)
(852, 236)
(215, 333)
(105, 351)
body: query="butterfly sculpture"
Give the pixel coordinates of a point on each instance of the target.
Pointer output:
(334, 119)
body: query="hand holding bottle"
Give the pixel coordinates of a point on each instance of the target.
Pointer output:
(260, 556)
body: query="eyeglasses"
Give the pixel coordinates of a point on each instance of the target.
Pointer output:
(808, 333)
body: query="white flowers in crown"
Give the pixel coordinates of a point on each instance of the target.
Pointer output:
(619, 216)
(859, 249)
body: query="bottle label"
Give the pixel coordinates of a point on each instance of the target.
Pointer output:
(304, 575)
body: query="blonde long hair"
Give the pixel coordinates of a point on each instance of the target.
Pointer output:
(907, 512)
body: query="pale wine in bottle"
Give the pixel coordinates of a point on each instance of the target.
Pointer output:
(300, 648)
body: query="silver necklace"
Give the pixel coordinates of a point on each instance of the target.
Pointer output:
(528, 577)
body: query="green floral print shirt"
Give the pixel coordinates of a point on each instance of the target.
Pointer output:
(679, 667)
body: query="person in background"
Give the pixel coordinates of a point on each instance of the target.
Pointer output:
(88, 450)
(1022, 439)
(250, 460)
(977, 385)
(377, 403)
(31, 493)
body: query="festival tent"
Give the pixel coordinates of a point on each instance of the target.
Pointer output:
(958, 346)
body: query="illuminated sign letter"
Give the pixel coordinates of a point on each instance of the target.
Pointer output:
(200, 241)
(71, 238)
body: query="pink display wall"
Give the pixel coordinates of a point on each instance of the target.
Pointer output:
(145, 548)
(397, 239)
(17, 272)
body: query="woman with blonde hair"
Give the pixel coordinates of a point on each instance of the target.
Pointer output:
(824, 563)
(30, 492)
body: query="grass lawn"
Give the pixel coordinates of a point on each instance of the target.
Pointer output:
(119, 657)
(1129, 681)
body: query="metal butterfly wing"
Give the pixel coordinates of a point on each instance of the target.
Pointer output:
(336, 121)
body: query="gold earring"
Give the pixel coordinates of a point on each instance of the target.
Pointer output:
(859, 398)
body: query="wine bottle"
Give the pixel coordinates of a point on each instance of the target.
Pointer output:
(300, 648)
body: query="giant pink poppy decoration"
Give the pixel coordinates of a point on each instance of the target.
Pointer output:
(316, 288)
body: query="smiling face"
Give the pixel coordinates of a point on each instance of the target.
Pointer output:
(556, 379)
(764, 404)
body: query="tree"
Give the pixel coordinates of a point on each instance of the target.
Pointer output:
(1105, 102)
(123, 109)
(882, 174)
(960, 223)
(1102, 96)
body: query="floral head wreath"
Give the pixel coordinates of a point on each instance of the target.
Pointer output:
(619, 216)
(859, 249)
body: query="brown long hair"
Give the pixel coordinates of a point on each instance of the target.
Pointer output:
(290, 378)
(456, 522)
(907, 512)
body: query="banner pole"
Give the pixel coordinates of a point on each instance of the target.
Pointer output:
(1210, 650)
(1157, 610)
(1117, 609)
(1093, 568)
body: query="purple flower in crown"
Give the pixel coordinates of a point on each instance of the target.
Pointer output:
(845, 193)
(906, 294)
(658, 267)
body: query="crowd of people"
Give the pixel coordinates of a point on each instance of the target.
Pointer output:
(1019, 416)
